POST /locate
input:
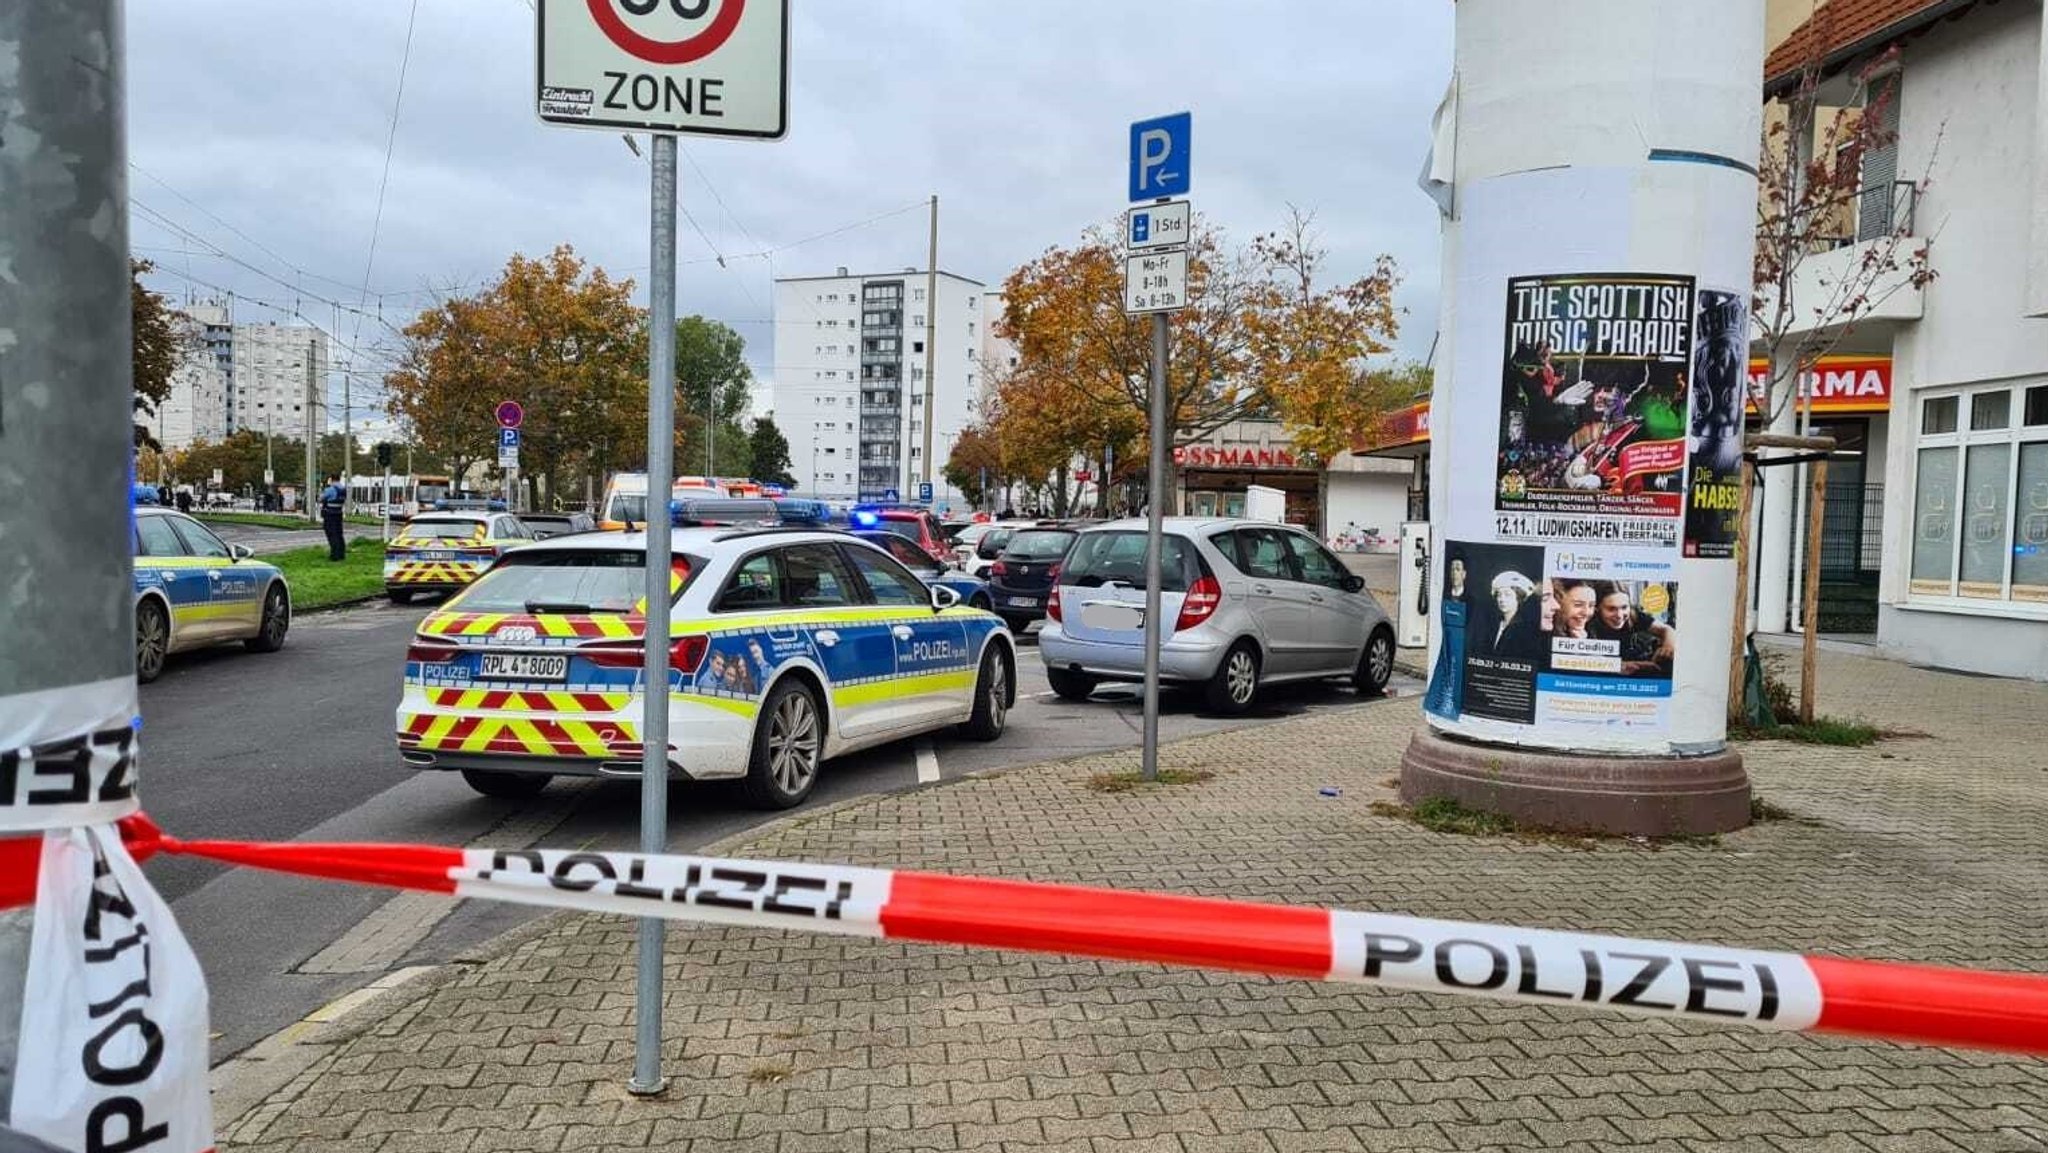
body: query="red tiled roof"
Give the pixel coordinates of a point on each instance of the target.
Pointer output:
(1838, 24)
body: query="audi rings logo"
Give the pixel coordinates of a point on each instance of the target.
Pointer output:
(516, 634)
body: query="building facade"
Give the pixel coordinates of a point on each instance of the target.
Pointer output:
(197, 407)
(268, 383)
(1961, 448)
(849, 375)
(251, 376)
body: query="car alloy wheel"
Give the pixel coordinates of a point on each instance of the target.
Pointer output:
(1379, 659)
(998, 693)
(152, 641)
(277, 620)
(1241, 676)
(793, 743)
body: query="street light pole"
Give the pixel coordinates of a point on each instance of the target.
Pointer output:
(67, 592)
(312, 443)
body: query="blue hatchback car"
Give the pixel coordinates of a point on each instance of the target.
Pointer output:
(973, 590)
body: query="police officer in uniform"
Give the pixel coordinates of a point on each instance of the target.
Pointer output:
(332, 499)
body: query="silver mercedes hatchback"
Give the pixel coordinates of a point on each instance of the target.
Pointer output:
(1249, 603)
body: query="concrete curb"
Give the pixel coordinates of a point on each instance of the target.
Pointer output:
(335, 606)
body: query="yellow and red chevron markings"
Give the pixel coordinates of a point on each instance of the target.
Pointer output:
(520, 736)
(529, 701)
(432, 572)
(602, 626)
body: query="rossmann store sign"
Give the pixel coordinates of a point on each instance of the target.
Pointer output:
(1207, 456)
(1834, 384)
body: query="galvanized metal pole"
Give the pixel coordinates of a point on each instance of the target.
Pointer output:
(67, 617)
(661, 418)
(1155, 543)
(310, 492)
(931, 337)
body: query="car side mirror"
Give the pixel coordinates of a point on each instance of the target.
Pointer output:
(988, 550)
(240, 552)
(1353, 583)
(943, 598)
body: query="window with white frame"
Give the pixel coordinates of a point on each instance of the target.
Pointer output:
(1980, 496)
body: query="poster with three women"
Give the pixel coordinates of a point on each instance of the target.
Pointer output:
(1537, 636)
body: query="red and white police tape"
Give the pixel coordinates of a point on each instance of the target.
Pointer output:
(1770, 990)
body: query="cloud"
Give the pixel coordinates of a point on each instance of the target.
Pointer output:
(274, 118)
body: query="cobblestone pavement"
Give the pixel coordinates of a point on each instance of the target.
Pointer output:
(1928, 849)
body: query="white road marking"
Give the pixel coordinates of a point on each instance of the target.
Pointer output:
(927, 762)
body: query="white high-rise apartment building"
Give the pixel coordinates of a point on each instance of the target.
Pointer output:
(261, 383)
(267, 381)
(197, 408)
(850, 380)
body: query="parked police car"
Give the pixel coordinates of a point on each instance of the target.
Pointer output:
(194, 589)
(789, 647)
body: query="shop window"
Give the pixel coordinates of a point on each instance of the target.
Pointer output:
(1989, 410)
(1938, 414)
(1934, 516)
(2037, 405)
(1980, 497)
(1987, 481)
(2030, 521)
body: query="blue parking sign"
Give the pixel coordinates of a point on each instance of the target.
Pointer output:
(924, 492)
(1161, 150)
(508, 438)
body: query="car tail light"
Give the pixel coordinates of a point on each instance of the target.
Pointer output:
(1052, 604)
(683, 656)
(688, 652)
(431, 652)
(1200, 603)
(998, 571)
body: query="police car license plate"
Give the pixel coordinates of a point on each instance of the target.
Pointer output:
(1024, 602)
(523, 667)
(437, 554)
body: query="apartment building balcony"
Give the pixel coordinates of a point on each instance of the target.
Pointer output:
(1876, 227)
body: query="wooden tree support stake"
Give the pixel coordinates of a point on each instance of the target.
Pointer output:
(1737, 661)
(1816, 502)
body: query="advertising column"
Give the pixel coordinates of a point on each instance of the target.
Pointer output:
(1589, 414)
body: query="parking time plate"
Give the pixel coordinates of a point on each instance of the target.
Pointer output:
(523, 667)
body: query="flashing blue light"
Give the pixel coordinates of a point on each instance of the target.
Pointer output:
(866, 519)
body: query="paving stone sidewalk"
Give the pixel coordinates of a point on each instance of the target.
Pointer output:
(1928, 849)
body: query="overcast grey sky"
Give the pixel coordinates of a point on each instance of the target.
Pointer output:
(272, 116)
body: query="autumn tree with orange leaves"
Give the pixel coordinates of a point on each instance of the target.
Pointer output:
(1262, 337)
(560, 337)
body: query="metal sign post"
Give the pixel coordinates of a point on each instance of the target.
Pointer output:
(713, 68)
(661, 416)
(1155, 541)
(508, 458)
(1156, 282)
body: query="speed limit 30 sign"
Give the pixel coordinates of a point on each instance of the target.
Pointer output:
(691, 67)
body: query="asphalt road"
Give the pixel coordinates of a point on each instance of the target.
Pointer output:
(297, 745)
